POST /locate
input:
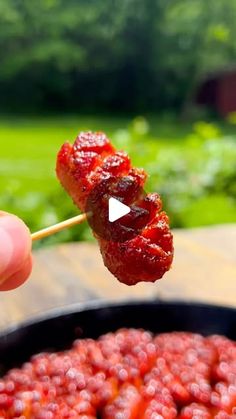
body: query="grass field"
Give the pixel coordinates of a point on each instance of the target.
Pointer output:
(174, 154)
(29, 146)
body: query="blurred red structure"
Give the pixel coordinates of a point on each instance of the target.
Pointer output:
(218, 91)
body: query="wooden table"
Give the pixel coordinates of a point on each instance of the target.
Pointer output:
(204, 269)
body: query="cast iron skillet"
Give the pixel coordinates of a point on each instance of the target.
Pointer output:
(57, 329)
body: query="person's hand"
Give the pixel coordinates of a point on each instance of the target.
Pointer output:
(15, 252)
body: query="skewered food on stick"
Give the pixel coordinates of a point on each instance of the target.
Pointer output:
(137, 247)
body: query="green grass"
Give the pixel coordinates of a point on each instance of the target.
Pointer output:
(192, 166)
(29, 146)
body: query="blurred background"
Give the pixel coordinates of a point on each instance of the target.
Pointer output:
(158, 76)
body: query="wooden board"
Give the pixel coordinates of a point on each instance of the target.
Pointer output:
(204, 269)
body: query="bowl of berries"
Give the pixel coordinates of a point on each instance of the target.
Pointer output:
(129, 360)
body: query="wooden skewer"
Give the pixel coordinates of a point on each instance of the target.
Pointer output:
(48, 231)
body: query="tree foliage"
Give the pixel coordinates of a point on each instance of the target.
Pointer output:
(123, 54)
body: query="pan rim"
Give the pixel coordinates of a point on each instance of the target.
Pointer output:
(76, 308)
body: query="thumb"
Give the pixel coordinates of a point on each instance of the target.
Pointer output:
(15, 252)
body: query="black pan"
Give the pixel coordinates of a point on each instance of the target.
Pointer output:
(57, 329)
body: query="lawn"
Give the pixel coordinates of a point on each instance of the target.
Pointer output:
(193, 166)
(29, 146)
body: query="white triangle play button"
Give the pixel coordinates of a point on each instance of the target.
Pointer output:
(116, 209)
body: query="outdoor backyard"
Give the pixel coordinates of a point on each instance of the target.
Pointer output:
(192, 166)
(157, 77)
(123, 305)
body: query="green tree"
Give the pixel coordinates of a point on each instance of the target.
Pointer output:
(125, 54)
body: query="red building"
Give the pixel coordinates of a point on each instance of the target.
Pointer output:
(219, 92)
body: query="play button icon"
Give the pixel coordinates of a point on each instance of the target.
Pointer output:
(113, 210)
(116, 209)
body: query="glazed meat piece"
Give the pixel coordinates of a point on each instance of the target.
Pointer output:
(140, 246)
